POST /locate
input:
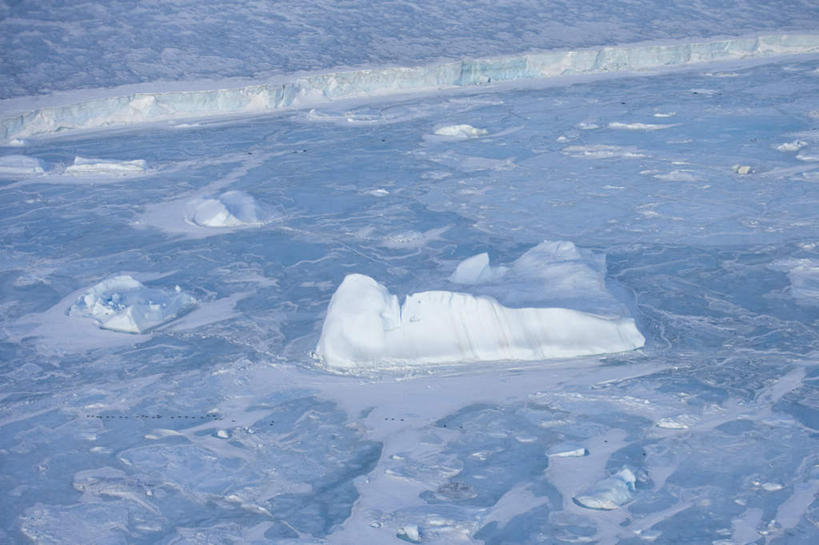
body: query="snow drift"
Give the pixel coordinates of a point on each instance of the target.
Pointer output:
(366, 326)
(319, 88)
(124, 304)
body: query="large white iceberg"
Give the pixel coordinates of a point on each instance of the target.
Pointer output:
(366, 326)
(230, 209)
(122, 303)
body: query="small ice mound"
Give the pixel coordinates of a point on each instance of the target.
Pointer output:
(794, 145)
(641, 126)
(742, 170)
(410, 533)
(609, 493)
(460, 131)
(678, 176)
(84, 166)
(808, 155)
(476, 270)
(682, 422)
(230, 209)
(366, 326)
(122, 303)
(603, 151)
(17, 143)
(20, 165)
(567, 450)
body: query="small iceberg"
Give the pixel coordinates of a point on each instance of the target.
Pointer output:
(124, 304)
(567, 450)
(460, 131)
(230, 209)
(20, 165)
(84, 166)
(609, 493)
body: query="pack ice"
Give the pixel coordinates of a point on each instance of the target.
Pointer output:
(366, 326)
(122, 303)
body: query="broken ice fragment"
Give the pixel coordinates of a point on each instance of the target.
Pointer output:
(124, 304)
(609, 493)
(409, 532)
(84, 166)
(460, 131)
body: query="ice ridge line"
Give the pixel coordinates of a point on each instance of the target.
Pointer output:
(309, 90)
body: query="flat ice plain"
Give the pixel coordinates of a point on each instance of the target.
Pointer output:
(685, 200)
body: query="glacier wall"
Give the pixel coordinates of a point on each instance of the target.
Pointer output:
(119, 111)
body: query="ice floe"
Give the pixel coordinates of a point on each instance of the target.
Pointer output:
(460, 131)
(85, 166)
(366, 326)
(609, 493)
(793, 145)
(124, 304)
(230, 209)
(678, 176)
(20, 165)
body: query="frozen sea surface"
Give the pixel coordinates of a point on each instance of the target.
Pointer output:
(218, 425)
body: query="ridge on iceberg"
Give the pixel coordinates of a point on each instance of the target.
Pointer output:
(84, 166)
(124, 304)
(366, 326)
(460, 131)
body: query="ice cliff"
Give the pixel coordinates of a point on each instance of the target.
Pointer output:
(312, 89)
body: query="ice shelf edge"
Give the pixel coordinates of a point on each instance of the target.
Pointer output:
(311, 90)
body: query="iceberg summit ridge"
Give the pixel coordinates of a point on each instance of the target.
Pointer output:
(312, 89)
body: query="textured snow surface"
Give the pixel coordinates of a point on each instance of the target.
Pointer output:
(124, 304)
(367, 327)
(219, 427)
(115, 109)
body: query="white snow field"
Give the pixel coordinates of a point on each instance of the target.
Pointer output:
(249, 293)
